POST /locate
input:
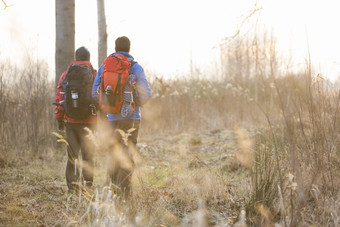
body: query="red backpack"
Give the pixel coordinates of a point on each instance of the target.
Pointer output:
(116, 71)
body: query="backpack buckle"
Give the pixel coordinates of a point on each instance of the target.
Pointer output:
(93, 109)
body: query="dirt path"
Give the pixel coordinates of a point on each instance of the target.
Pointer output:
(33, 192)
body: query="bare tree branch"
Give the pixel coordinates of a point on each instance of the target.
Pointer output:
(3, 1)
(5, 4)
(251, 14)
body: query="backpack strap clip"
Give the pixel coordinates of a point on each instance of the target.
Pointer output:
(93, 109)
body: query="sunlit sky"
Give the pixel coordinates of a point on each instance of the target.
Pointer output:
(167, 35)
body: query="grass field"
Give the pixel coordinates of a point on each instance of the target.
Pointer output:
(260, 150)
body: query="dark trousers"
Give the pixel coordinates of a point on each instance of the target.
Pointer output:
(79, 143)
(120, 166)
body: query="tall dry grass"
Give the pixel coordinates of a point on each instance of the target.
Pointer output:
(297, 150)
(196, 104)
(297, 155)
(26, 111)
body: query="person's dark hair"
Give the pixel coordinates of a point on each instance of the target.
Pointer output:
(82, 54)
(123, 44)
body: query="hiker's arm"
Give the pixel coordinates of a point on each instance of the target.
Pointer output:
(96, 83)
(59, 100)
(142, 85)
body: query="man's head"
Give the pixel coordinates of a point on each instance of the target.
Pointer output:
(123, 44)
(82, 54)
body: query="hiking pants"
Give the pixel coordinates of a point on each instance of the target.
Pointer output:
(120, 168)
(79, 143)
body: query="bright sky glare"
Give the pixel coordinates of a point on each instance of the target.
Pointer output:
(167, 35)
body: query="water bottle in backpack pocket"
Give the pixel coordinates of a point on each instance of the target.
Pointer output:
(109, 98)
(74, 96)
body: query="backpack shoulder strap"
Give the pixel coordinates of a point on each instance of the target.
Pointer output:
(132, 63)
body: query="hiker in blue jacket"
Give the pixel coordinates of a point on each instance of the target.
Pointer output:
(116, 174)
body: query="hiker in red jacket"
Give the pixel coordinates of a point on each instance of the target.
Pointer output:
(71, 89)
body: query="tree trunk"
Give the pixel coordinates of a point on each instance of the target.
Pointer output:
(65, 32)
(102, 34)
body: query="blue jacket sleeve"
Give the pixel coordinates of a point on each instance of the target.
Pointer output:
(143, 93)
(96, 83)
